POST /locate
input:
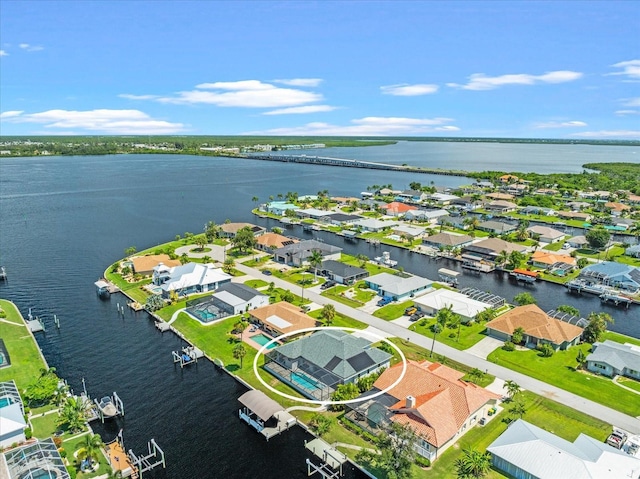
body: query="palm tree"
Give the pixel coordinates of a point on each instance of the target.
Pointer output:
(518, 409)
(228, 265)
(512, 388)
(363, 258)
(90, 447)
(473, 464)
(436, 328)
(502, 257)
(315, 260)
(328, 314)
(72, 414)
(239, 352)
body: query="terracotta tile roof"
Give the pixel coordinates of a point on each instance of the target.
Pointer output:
(397, 207)
(500, 196)
(142, 264)
(443, 401)
(273, 314)
(274, 240)
(548, 257)
(617, 206)
(536, 323)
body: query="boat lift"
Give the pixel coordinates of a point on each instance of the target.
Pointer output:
(114, 408)
(153, 459)
(332, 459)
(187, 355)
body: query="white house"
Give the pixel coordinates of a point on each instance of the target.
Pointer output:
(12, 425)
(461, 304)
(236, 298)
(188, 278)
(615, 359)
(374, 225)
(545, 234)
(398, 287)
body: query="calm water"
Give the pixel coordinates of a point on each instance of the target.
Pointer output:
(467, 156)
(63, 220)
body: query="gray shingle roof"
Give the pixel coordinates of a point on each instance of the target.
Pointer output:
(617, 355)
(341, 269)
(241, 291)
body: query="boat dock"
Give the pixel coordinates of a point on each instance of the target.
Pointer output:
(616, 299)
(524, 275)
(188, 355)
(3, 274)
(119, 460)
(448, 276)
(332, 459)
(128, 463)
(162, 326)
(264, 414)
(105, 288)
(385, 260)
(35, 324)
(108, 407)
(153, 459)
(476, 263)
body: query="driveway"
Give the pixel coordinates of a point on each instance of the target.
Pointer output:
(485, 347)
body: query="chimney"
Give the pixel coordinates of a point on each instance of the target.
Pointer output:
(411, 402)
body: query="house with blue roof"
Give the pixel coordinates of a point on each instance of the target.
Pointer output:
(615, 359)
(610, 273)
(280, 207)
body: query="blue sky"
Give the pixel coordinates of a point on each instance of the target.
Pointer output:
(548, 69)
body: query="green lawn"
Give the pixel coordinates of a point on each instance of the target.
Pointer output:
(393, 310)
(132, 289)
(46, 426)
(334, 293)
(559, 370)
(370, 267)
(166, 312)
(340, 320)
(26, 361)
(630, 383)
(620, 338)
(470, 333)
(256, 283)
(71, 446)
(557, 246)
(358, 294)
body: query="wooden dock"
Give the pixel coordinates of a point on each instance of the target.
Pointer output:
(119, 460)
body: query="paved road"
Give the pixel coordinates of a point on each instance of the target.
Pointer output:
(591, 408)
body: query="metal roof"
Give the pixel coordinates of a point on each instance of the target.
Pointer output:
(262, 405)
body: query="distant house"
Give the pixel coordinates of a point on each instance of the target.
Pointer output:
(272, 241)
(490, 248)
(12, 425)
(579, 241)
(508, 178)
(280, 207)
(298, 254)
(539, 328)
(236, 298)
(633, 251)
(339, 219)
(616, 209)
(316, 365)
(374, 225)
(527, 451)
(342, 273)
(594, 195)
(281, 318)
(431, 399)
(615, 274)
(229, 230)
(188, 278)
(397, 208)
(461, 304)
(501, 206)
(500, 196)
(410, 232)
(447, 240)
(398, 287)
(459, 222)
(546, 191)
(467, 203)
(497, 227)
(144, 264)
(537, 210)
(442, 198)
(312, 213)
(615, 359)
(543, 259)
(574, 215)
(545, 234)
(411, 196)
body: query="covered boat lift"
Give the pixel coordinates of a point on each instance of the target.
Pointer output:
(264, 414)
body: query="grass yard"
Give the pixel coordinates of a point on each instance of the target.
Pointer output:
(559, 370)
(334, 293)
(45, 426)
(340, 320)
(26, 361)
(256, 283)
(370, 267)
(71, 446)
(630, 383)
(470, 333)
(620, 338)
(393, 310)
(132, 289)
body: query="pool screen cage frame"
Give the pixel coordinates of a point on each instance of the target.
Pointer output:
(23, 462)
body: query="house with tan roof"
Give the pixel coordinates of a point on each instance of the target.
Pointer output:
(431, 398)
(574, 215)
(545, 234)
(500, 196)
(229, 230)
(445, 240)
(144, 264)
(281, 318)
(501, 206)
(543, 259)
(539, 328)
(396, 208)
(616, 209)
(272, 241)
(490, 248)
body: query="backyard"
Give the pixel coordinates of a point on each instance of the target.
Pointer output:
(462, 337)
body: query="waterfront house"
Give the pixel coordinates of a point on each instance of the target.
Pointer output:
(508, 178)
(459, 303)
(189, 278)
(38, 457)
(316, 365)
(501, 206)
(340, 219)
(272, 241)
(12, 424)
(447, 240)
(396, 287)
(397, 208)
(229, 230)
(342, 273)
(237, 298)
(616, 209)
(614, 359)
(442, 198)
(574, 215)
(374, 225)
(409, 232)
(518, 189)
(312, 213)
(411, 196)
(539, 328)
(281, 318)
(144, 264)
(545, 234)
(459, 222)
(579, 241)
(500, 196)
(578, 205)
(298, 254)
(431, 399)
(490, 248)
(429, 216)
(633, 251)
(467, 203)
(544, 259)
(610, 273)
(280, 207)
(496, 227)
(537, 210)
(527, 451)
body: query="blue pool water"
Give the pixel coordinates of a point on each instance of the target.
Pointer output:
(261, 339)
(41, 474)
(305, 381)
(203, 315)
(5, 401)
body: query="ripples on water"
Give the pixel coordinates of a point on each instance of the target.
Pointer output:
(63, 220)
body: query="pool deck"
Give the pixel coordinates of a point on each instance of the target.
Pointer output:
(247, 336)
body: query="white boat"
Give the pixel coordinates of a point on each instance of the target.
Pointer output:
(107, 407)
(385, 260)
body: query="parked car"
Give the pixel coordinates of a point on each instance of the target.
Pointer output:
(410, 310)
(416, 316)
(328, 284)
(267, 272)
(617, 439)
(384, 301)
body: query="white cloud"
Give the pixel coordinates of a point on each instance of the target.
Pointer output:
(560, 124)
(369, 126)
(3, 53)
(631, 102)
(409, 90)
(623, 134)
(303, 82)
(301, 110)
(245, 94)
(479, 81)
(102, 120)
(627, 112)
(129, 96)
(31, 48)
(630, 69)
(10, 114)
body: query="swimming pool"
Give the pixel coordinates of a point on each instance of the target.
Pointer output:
(262, 339)
(203, 315)
(305, 381)
(5, 401)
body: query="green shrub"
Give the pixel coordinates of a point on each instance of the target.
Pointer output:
(422, 461)
(509, 346)
(72, 472)
(28, 433)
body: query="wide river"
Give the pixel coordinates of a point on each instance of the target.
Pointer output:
(64, 219)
